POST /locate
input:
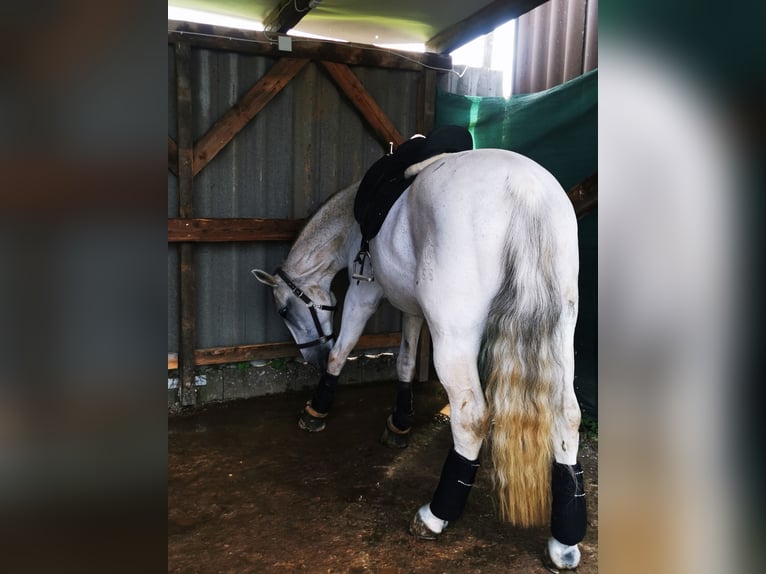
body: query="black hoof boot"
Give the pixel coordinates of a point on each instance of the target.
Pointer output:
(311, 420)
(392, 437)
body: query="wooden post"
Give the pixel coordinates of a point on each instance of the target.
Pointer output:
(188, 288)
(426, 101)
(424, 125)
(424, 354)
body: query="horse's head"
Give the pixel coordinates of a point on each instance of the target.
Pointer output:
(308, 313)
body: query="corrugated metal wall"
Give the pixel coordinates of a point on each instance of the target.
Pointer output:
(306, 144)
(555, 42)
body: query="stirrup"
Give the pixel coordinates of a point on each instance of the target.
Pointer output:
(361, 258)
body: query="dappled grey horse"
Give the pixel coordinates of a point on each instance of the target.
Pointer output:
(483, 247)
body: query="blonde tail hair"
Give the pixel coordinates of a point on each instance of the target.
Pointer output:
(518, 364)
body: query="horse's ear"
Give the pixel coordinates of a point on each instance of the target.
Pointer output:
(263, 277)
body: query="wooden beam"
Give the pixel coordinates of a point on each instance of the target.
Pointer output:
(187, 280)
(286, 15)
(241, 353)
(376, 118)
(266, 351)
(424, 124)
(172, 155)
(251, 42)
(233, 229)
(424, 354)
(245, 110)
(426, 102)
(481, 22)
(584, 195)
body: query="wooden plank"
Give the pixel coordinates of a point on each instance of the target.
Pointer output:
(425, 123)
(172, 155)
(424, 354)
(245, 110)
(267, 351)
(378, 341)
(584, 196)
(248, 41)
(185, 144)
(426, 102)
(242, 353)
(481, 22)
(286, 15)
(233, 229)
(376, 118)
(187, 280)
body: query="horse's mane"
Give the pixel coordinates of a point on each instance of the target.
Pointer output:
(326, 229)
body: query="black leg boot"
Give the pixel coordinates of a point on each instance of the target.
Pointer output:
(398, 425)
(312, 419)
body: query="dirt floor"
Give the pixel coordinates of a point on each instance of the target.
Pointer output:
(249, 492)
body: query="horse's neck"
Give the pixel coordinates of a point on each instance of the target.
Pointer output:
(322, 248)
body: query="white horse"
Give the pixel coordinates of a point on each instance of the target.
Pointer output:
(483, 246)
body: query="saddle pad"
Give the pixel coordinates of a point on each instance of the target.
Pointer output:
(384, 182)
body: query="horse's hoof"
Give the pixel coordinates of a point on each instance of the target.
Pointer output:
(420, 530)
(558, 557)
(393, 437)
(311, 423)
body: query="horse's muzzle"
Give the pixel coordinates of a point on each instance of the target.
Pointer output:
(318, 356)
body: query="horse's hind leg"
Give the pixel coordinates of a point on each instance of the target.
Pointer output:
(455, 363)
(568, 516)
(396, 432)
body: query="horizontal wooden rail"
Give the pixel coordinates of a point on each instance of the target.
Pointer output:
(233, 229)
(266, 351)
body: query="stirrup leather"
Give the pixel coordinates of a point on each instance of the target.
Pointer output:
(362, 258)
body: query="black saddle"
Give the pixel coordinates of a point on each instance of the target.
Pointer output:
(384, 182)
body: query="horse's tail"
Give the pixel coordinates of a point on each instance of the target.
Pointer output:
(518, 364)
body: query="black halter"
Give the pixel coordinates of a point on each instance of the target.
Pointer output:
(312, 308)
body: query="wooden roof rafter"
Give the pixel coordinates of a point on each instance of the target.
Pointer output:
(481, 22)
(287, 14)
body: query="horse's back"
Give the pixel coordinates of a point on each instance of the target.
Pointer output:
(484, 181)
(466, 204)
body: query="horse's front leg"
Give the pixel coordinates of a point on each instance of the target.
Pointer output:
(360, 303)
(397, 431)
